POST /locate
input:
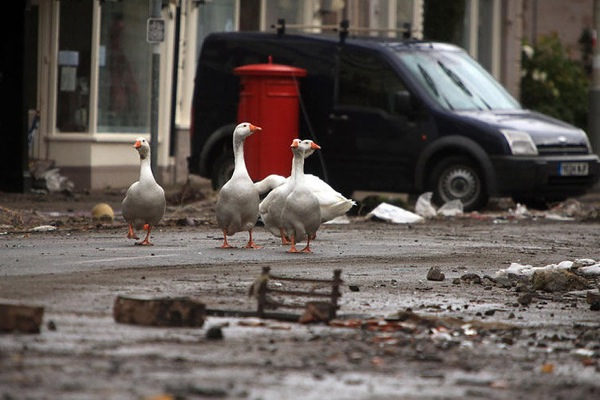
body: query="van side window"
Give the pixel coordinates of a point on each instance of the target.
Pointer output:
(365, 80)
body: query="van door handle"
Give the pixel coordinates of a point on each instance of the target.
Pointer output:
(335, 117)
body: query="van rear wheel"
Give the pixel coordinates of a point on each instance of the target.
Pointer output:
(459, 178)
(222, 169)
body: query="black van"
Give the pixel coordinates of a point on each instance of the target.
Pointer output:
(396, 116)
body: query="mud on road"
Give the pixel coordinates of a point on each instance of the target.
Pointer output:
(475, 334)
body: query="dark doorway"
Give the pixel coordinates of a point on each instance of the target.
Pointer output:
(14, 170)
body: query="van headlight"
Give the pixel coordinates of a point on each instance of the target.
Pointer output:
(520, 143)
(587, 141)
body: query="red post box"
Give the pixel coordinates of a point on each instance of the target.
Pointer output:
(269, 98)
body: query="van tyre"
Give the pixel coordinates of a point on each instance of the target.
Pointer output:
(222, 169)
(458, 177)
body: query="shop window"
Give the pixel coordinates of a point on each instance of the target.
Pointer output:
(124, 62)
(215, 17)
(73, 91)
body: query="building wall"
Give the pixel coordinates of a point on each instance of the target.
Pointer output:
(568, 19)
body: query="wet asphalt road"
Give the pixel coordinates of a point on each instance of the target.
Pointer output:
(64, 252)
(77, 274)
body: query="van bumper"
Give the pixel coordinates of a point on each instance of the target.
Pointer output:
(541, 176)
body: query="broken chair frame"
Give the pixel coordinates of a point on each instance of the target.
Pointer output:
(264, 289)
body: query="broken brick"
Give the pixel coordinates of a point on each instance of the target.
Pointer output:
(174, 312)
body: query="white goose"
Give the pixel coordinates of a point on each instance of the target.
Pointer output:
(144, 203)
(237, 204)
(301, 213)
(332, 203)
(271, 206)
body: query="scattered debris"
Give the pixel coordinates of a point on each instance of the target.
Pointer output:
(585, 266)
(188, 193)
(47, 177)
(44, 228)
(316, 311)
(593, 299)
(423, 206)
(525, 299)
(174, 312)
(389, 213)
(558, 280)
(576, 210)
(263, 288)
(214, 333)
(453, 208)
(444, 328)
(16, 317)
(469, 278)
(435, 274)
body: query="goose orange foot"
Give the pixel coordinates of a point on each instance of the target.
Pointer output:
(131, 234)
(251, 244)
(284, 239)
(293, 249)
(146, 241)
(226, 245)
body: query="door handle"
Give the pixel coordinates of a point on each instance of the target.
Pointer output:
(336, 117)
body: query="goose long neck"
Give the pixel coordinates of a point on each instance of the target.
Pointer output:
(146, 169)
(238, 154)
(297, 174)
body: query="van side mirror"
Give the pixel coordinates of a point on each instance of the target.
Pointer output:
(404, 102)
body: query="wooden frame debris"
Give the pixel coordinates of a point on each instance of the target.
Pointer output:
(268, 295)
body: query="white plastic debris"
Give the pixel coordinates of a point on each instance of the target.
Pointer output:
(423, 206)
(396, 215)
(55, 182)
(44, 228)
(557, 217)
(590, 267)
(452, 208)
(583, 352)
(586, 262)
(516, 269)
(520, 211)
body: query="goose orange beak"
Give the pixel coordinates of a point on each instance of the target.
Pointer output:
(314, 146)
(137, 144)
(254, 128)
(295, 143)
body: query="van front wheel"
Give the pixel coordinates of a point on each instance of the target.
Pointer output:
(459, 178)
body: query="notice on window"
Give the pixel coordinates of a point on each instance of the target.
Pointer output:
(68, 79)
(68, 58)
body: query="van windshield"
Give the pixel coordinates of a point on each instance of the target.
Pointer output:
(457, 82)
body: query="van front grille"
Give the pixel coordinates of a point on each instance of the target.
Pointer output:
(562, 150)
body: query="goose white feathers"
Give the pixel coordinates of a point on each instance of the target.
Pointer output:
(301, 213)
(269, 183)
(144, 203)
(237, 204)
(332, 203)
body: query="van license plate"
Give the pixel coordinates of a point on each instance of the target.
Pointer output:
(573, 169)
